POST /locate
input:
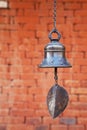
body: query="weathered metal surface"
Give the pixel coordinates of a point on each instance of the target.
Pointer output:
(57, 100)
(54, 53)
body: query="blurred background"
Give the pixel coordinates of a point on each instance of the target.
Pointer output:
(24, 29)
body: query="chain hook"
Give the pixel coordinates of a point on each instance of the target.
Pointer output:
(54, 30)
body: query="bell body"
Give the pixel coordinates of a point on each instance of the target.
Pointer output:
(54, 56)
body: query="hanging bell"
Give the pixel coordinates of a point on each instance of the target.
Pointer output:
(54, 57)
(54, 53)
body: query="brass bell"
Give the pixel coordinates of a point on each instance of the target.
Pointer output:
(54, 53)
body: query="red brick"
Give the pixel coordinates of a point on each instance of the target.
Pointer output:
(22, 97)
(82, 38)
(63, 76)
(65, 1)
(81, 13)
(29, 27)
(60, 127)
(81, 61)
(81, 76)
(86, 127)
(79, 106)
(19, 112)
(28, 69)
(42, 127)
(8, 27)
(68, 121)
(3, 127)
(72, 6)
(83, 69)
(41, 34)
(82, 34)
(35, 106)
(76, 127)
(16, 120)
(84, 20)
(20, 12)
(7, 12)
(27, 12)
(75, 55)
(83, 113)
(40, 98)
(84, 5)
(4, 112)
(82, 48)
(41, 113)
(3, 97)
(74, 83)
(79, 90)
(33, 121)
(73, 97)
(28, 83)
(19, 90)
(82, 120)
(5, 105)
(10, 119)
(42, 27)
(20, 105)
(4, 120)
(4, 20)
(71, 113)
(26, 19)
(44, 6)
(79, 27)
(21, 5)
(68, 48)
(82, 98)
(83, 82)
(20, 127)
(49, 120)
(44, 13)
(36, 90)
(28, 34)
(74, 20)
(76, 68)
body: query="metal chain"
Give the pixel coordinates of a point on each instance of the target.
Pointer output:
(54, 14)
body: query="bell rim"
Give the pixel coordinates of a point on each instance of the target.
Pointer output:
(45, 66)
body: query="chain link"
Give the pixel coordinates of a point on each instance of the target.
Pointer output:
(54, 14)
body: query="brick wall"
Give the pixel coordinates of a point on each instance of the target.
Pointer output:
(24, 29)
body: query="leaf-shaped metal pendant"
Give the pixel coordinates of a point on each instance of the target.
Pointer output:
(57, 100)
